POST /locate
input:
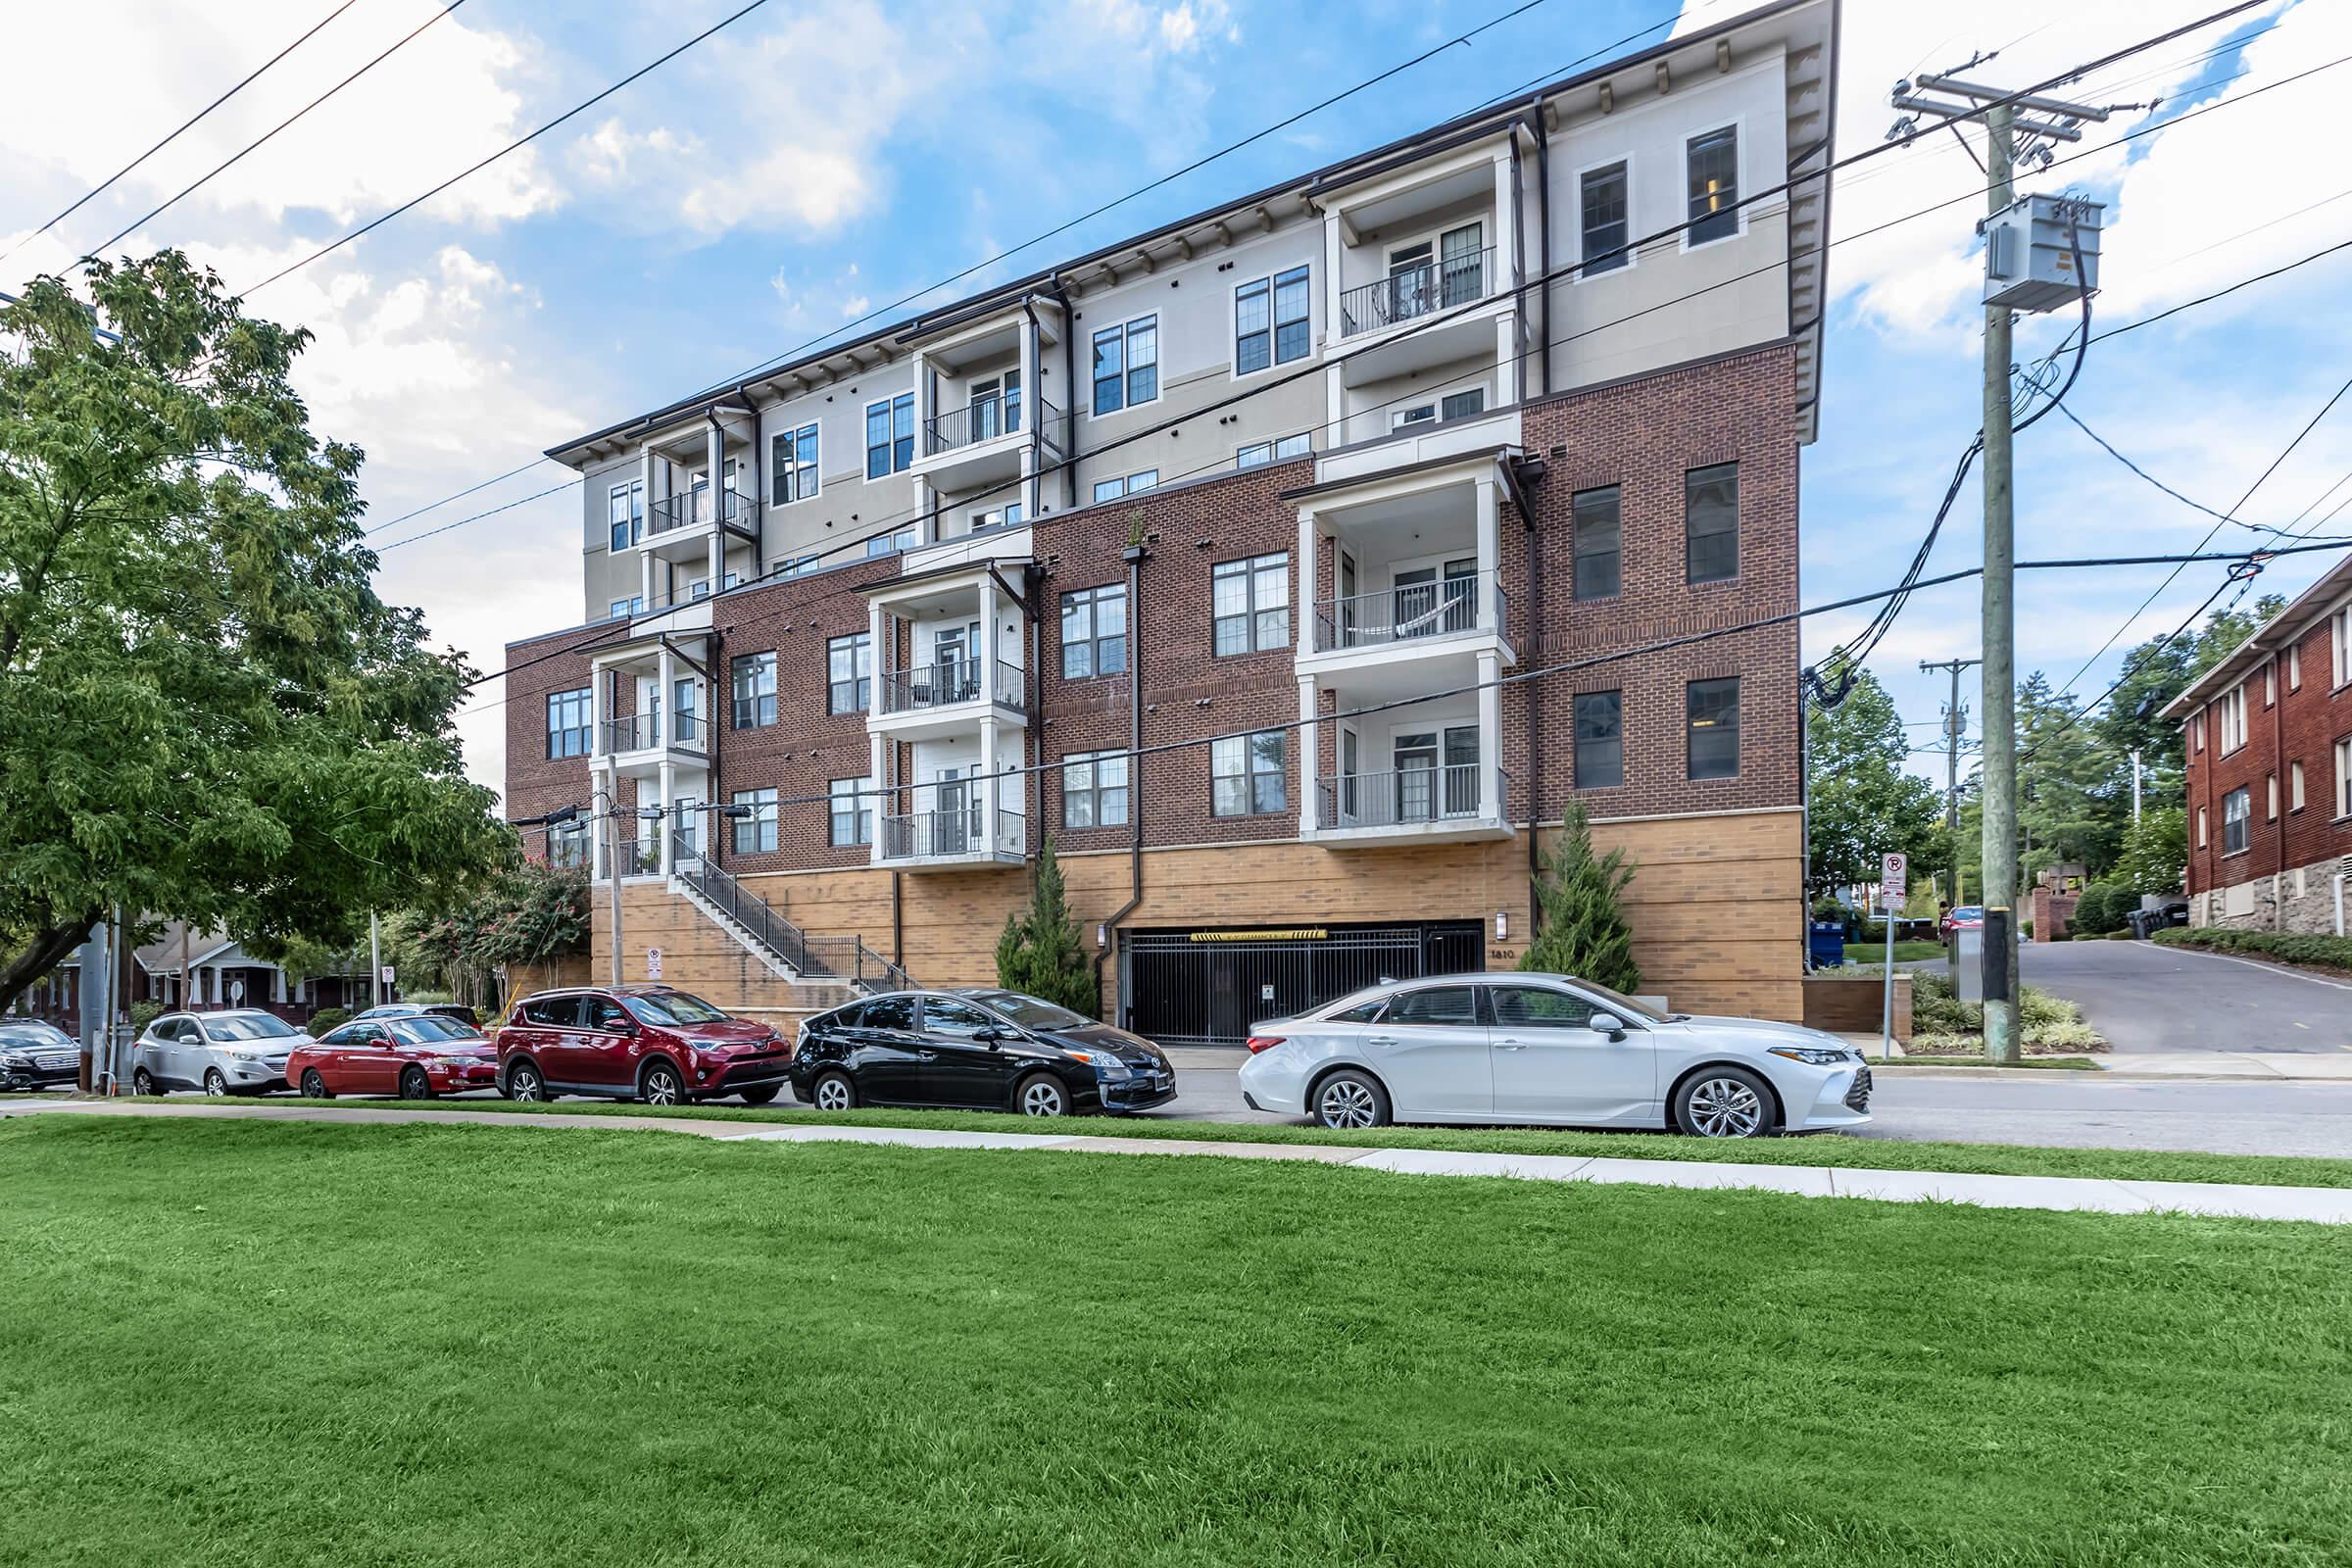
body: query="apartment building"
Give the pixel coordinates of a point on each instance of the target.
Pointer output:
(1227, 556)
(2268, 737)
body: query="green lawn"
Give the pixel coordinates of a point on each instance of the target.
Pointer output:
(274, 1344)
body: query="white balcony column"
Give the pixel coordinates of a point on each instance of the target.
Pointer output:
(987, 651)
(666, 729)
(926, 405)
(645, 503)
(878, 659)
(1506, 224)
(879, 801)
(277, 986)
(714, 463)
(1310, 587)
(1309, 755)
(1490, 736)
(1507, 359)
(645, 579)
(600, 801)
(1490, 553)
(1334, 285)
(987, 794)
(669, 793)
(1029, 360)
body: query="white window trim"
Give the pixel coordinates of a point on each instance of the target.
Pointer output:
(791, 433)
(1233, 326)
(865, 415)
(2339, 640)
(2233, 704)
(2248, 819)
(2203, 840)
(1159, 382)
(2269, 796)
(2344, 778)
(2295, 797)
(1273, 451)
(2270, 684)
(1435, 401)
(633, 489)
(1126, 483)
(1738, 126)
(1576, 199)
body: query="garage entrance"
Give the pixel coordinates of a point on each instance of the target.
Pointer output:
(1205, 987)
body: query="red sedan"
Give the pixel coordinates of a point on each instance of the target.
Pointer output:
(414, 1058)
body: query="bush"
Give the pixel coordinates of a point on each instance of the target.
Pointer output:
(2287, 946)
(2093, 911)
(1584, 931)
(143, 1014)
(326, 1018)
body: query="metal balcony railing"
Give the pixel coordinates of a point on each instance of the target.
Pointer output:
(984, 419)
(948, 682)
(1408, 611)
(694, 508)
(950, 834)
(815, 957)
(1413, 292)
(641, 732)
(1455, 792)
(639, 857)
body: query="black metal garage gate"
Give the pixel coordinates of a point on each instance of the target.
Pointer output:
(1205, 988)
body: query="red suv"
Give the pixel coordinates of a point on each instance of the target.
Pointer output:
(646, 1043)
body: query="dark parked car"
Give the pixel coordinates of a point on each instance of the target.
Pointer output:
(37, 1055)
(415, 1009)
(978, 1047)
(648, 1042)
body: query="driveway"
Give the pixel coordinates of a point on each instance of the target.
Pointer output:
(2144, 997)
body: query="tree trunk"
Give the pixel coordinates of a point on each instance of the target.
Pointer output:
(49, 948)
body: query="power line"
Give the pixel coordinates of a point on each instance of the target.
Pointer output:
(435, 505)
(101, 187)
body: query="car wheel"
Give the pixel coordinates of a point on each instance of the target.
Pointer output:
(1042, 1094)
(834, 1091)
(760, 1096)
(214, 1084)
(524, 1083)
(1349, 1099)
(315, 1087)
(661, 1086)
(1724, 1103)
(143, 1082)
(414, 1085)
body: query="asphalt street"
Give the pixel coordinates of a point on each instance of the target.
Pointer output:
(2146, 997)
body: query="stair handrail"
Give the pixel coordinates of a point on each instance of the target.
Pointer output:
(791, 946)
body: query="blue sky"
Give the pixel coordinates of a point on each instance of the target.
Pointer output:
(821, 158)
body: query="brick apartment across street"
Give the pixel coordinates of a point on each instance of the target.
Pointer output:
(1442, 474)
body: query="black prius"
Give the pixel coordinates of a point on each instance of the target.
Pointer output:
(977, 1049)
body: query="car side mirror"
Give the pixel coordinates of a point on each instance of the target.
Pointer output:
(990, 1038)
(1606, 1023)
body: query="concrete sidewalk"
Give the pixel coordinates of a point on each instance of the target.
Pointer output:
(2074, 1194)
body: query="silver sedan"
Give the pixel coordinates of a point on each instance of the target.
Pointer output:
(239, 1051)
(1545, 1049)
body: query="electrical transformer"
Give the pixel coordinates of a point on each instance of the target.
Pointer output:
(2030, 251)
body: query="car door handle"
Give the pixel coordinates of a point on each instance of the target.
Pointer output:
(1509, 1044)
(1380, 1039)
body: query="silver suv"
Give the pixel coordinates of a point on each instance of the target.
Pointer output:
(239, 1051)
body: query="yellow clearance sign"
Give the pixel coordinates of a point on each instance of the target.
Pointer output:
(1304, 933)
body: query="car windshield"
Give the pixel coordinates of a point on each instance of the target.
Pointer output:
(1030, 1012)
(33, 1034)
(674, 1007)
(430, 1030)
(248, 1026)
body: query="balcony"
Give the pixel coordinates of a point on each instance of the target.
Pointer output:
(678, 527)
(1410, 613)
(639, 857)
(981, 443)
(637, 744)
(948, 697)
(1415, 293)
(1435, 805)
(953, 839)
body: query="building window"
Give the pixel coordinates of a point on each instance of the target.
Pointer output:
(1134, 484)
(568, 724)
(1600, 741)
(625, 508)
(890, 435)
(1094, 789)
(853, 804)
(2340, 635)
(792, 460)
(1260, 453)
(1463, 405)
(796, 565)
(1711, 522)
(2295, 786)
(1251, 603)
(2294, 668)
(756, 834)
(848, 673)
(1246, 773)
(2270, 684)
(2233, 719)
(1094, 632)
(634, 604)
(1596, 531)
(1270, 322)
(890, 544)
(2344, 777)
(755, 691)
(2269, 796)
(567, 843)
(1606, 231)
(1714, 727)
(1713, 163)
(1127, 365)
(2201, 840)
(2237, 819)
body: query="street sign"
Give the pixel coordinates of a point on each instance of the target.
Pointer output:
(387, 974)
(1895, 883)
(652, 963)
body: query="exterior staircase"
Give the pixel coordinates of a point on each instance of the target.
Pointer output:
(831, 968)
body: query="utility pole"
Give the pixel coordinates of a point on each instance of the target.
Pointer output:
(2134, 783)
(376, 962)
(1955, 725)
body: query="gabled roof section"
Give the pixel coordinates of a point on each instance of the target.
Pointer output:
(2274, 636)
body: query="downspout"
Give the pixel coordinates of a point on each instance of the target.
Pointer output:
(2277, 687)
(1535, 726)
(1034, 503)
(1069, 392)
(1544, 231)
(1518, 267)
(1134, 554)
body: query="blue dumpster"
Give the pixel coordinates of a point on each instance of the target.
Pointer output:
(1829, 943)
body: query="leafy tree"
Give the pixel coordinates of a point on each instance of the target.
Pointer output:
(1583, 932)
(2066, 783)
(205, 710)
(2153, 676)
(2095, 910)
(528, 913)
(1860, 803)
(2155, 852)
(1039, 951)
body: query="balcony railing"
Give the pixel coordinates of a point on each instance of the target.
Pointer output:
(948, 682)
(695, 508)
(639, 857)
(950, 834)
(981, 419)
(1410, 795)
(1408, 612)
(1413, 292)
(816, 958)
(637, 733)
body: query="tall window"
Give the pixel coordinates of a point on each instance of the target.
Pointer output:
(1094, 632)
(756, 834)
(1127, 365)
(853, 803)
(2340, 634)
(1270, 322)
(890, 435)
(1094, 789)
(2344, 777)
(1246, 773)
(1713, 164)
(1597, 533)
(2237, 819)
(1134, 484)
(568, 724)
(1711, 522)
(755, 690)
(2233, 719)
(1599, 740)
(1605, 221)
(1252, 603)
(625, 508)
(567, 843)
(1714, 719)
(792, 461)
(1259, 453)
(2295, 786)
(848, 673)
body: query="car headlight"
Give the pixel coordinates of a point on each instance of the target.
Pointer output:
(458, 1063)
(1814, 1057)
(246, 1055)
(16, 1063)
(1106, 1065)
